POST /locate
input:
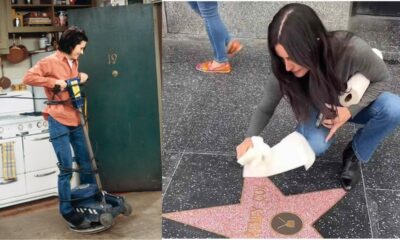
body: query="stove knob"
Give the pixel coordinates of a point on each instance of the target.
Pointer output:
(39, 124)
(45, 124)
(1, 130)
(20, 127)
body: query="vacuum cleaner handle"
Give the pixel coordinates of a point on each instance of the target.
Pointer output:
(70, 82)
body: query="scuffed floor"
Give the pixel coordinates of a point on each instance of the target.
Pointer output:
(42, 221)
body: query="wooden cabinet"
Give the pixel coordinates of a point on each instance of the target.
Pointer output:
(3, 29)
(41, 15)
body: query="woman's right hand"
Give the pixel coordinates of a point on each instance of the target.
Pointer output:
(62, 84)
(242, 148)
(83, 76)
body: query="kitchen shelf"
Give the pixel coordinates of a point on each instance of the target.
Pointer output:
(17, 6)
(50, 8)
(72, 6)
(37, 29)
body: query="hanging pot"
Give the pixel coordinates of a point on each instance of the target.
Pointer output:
(16, 54)
(21, 46)
(5, 82)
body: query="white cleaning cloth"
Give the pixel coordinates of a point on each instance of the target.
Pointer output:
(262, 161)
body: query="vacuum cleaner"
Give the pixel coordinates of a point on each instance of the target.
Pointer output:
(90, 200)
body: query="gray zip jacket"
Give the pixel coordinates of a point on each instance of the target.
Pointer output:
(360, 59)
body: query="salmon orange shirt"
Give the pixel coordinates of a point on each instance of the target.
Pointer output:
(44, 74)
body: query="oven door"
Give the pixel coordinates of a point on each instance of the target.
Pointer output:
(13, 188)
(39, 152)
(40, 163)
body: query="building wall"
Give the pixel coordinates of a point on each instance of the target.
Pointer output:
(248, 19)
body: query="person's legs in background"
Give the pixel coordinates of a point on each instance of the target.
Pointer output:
(217, 32)
(218, 36)
(195, 7)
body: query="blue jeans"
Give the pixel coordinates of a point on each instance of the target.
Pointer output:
(380, 119)
(61, 137)
(216, 30)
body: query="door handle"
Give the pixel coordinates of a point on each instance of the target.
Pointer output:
(40, 139)
(114, 73)
(151, 1)
(8, 182)
(45, 174)
(22, 134)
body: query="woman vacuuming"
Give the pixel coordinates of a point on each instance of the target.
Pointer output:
(63, 118)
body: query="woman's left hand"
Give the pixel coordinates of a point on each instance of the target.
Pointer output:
(334, 124)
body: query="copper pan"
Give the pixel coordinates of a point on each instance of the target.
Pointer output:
(5, 82)
(17, 54)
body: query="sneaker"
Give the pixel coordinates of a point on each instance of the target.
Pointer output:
(207, 67)
(234, 47)
(85, 224)
(76, 220)
(87, 227)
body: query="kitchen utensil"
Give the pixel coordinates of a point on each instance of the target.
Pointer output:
(20, 45)
(18, 87)
(16, 54)
(5, 82)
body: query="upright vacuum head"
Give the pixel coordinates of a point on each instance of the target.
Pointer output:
(99, 207)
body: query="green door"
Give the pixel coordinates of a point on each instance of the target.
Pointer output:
(122, 93)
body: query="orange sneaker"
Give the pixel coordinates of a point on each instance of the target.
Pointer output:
(234, 47)
(208, 68)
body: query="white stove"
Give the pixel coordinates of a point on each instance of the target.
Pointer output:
(12, 123)
(19, 125)
(35, 160)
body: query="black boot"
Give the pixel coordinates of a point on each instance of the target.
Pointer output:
(351, 174)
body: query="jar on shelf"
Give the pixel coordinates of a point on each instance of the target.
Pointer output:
(43, 41)
(28, 1)
(17, 21)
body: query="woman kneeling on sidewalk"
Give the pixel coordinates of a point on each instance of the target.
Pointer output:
(312, 67)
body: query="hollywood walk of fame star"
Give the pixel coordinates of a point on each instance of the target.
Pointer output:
(261, 201)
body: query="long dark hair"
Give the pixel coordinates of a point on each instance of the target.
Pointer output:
(300, 31)
(70, 38)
